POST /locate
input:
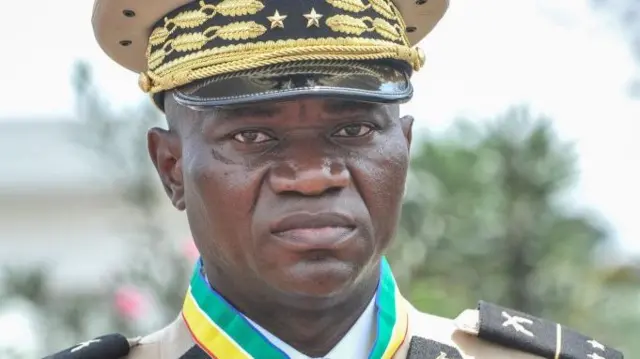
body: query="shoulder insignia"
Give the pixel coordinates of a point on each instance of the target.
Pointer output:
(420, 348)
(195, 353)
(520, 331)
(112, 346)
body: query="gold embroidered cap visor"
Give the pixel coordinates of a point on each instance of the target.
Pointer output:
(227, 52)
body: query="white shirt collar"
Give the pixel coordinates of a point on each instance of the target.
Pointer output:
(357, 343)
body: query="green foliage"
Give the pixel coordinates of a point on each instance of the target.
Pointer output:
(66, 317)
(487, 217)
(12, 354)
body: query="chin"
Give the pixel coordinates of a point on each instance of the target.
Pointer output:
(319, 278)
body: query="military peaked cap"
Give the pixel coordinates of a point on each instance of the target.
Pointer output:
(229, 52)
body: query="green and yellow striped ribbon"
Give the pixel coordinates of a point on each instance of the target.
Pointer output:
(224, 333)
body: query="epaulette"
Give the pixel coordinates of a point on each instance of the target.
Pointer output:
(526, 333)
(112, 346)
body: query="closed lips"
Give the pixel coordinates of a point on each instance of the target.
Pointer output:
(312, 221)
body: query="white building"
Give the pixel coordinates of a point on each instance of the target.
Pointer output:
(59, 206)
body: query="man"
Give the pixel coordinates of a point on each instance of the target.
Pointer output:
(286, 150)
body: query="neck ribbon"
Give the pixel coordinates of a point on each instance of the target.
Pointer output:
(224, 333)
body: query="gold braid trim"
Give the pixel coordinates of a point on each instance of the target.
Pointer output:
(235, 58)
(350, 45)
(323, 67)
(311, 67)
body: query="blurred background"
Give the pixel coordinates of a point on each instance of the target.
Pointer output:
(523, 187)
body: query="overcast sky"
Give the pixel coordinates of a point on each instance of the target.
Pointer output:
(557, 56)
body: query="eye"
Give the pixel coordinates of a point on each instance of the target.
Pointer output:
(355, 130)
(251, 137)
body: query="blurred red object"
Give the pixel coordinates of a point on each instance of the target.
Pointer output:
(130, 303)
(190, 250)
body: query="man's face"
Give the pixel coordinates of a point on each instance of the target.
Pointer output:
(295, 197)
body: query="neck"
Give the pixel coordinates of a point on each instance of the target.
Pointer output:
(312, 331)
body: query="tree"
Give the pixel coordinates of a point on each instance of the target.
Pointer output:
(487, 217)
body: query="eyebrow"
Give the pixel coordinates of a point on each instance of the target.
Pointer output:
(266, 110)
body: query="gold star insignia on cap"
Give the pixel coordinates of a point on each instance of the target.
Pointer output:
(313, 18)
(277, 20)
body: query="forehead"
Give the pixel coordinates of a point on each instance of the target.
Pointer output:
(319, 105)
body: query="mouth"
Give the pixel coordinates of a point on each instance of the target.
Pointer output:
(308, 231)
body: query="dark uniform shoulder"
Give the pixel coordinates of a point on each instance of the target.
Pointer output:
(111, 346)
(523, 332)
(495, 332)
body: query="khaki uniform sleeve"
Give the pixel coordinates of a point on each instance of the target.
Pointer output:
(172, 342)
(433, 337)
(494, 332)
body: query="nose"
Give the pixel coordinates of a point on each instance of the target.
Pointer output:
(309, 176)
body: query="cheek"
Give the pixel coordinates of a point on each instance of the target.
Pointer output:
(219, 199)
(380, 177)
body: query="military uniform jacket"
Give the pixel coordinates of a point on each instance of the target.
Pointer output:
(490, 332)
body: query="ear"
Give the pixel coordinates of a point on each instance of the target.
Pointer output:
(406, 122)
(165, 150)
